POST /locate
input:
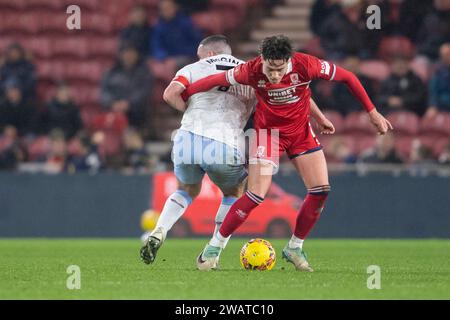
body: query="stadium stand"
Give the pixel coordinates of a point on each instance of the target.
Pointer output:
(81, 57)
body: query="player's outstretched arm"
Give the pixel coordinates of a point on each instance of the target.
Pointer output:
(356, 88)
(325, 125)
(206, 84)
(172, 95)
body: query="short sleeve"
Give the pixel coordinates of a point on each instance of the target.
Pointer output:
(239, 74)
(183, 77)
(320, 69)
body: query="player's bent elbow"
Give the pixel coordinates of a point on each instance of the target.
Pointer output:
(167, 95)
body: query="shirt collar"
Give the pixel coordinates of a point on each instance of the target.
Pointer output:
(289, 67)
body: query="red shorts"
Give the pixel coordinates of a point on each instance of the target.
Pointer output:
(269, 144)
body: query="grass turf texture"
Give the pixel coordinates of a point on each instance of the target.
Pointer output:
(111, 269)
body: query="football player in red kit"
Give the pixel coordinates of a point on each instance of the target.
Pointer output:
(281, 80)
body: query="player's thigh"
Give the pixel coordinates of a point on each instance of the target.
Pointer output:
(260, 178)
(188, 174)
(312, 167)
(228, 177)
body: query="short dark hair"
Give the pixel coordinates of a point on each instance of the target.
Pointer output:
(276, 48)
(215, 39)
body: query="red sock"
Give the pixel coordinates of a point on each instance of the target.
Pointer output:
(239, 212)
(310, 211)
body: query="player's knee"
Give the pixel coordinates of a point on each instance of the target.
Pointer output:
(234, 192)
(323, 190)
(193, 190)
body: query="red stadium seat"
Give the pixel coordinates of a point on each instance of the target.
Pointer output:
(336, 118)
(43, 4)
(439, 124)
(163, 70)
(38, 147)
(71, 47)
(230, 19)
(53, 21)
(404, 122)
(237, 5)
(395, 46)
(313, 47)
(436, 143)
(86, 95)
(364, 143)
(88, 71)
(375, 69)
(39, 46)
(15, 5)
(210, 22)
(104, 46)
(98, 22)
(358, 123)
(403, 145)
(90, 5)
(6, 41)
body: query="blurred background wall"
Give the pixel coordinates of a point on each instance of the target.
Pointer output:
(110, 205)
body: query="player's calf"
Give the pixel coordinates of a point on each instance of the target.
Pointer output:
(310, 211)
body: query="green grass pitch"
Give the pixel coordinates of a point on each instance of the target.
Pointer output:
(111, 269)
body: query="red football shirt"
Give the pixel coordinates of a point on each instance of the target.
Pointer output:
(284, 106)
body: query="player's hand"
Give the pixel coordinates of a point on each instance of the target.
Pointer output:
(380, 122)
(326, 126)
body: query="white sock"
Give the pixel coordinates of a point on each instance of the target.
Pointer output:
(225, 206)
(218, 240)
(174, 208)
(296, 242)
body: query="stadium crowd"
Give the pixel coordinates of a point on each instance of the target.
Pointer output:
(91, 99)
(405, 68)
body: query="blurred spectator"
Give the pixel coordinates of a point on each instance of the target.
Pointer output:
(339, 151)
(55, 160)
(12, 152)
(343, 100)
(88, 158)
(126, 87)
(191, 6)
(174, 36)
(412, 13)
(420, 156)
(403, 89)
(61, 112)
(345, 32)
(402, 17)
(320, 11)
(439, 96)
(17, 68)
(136, 157)
(14, 110)
(383, 152)
(420, 153)
(444, 157)
(435, 29)
(138, 31)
